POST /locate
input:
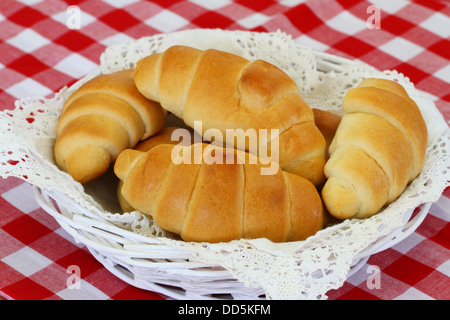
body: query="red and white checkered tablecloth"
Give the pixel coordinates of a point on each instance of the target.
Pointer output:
(39, 54)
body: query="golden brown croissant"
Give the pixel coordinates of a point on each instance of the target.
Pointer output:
(164, 136)
(379, 147)
(212, 201)
(103, 117)
(226, 91)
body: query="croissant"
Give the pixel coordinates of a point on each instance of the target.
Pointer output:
(164, 136)
(379, 147)
(228, 92)
(212, 201)
(103, 117)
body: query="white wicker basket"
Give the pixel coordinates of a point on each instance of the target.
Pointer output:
(178, 272)
(150, 265)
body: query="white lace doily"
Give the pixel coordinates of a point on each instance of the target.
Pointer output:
(297, 270)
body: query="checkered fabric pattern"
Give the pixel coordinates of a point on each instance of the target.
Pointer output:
(40, 53)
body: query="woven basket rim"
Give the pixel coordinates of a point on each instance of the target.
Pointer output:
(138, 252)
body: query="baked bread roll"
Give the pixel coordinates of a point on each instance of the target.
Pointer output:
(164, 136)
(226, 91)
(379, 147)
(214, 202)
(103, 117)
